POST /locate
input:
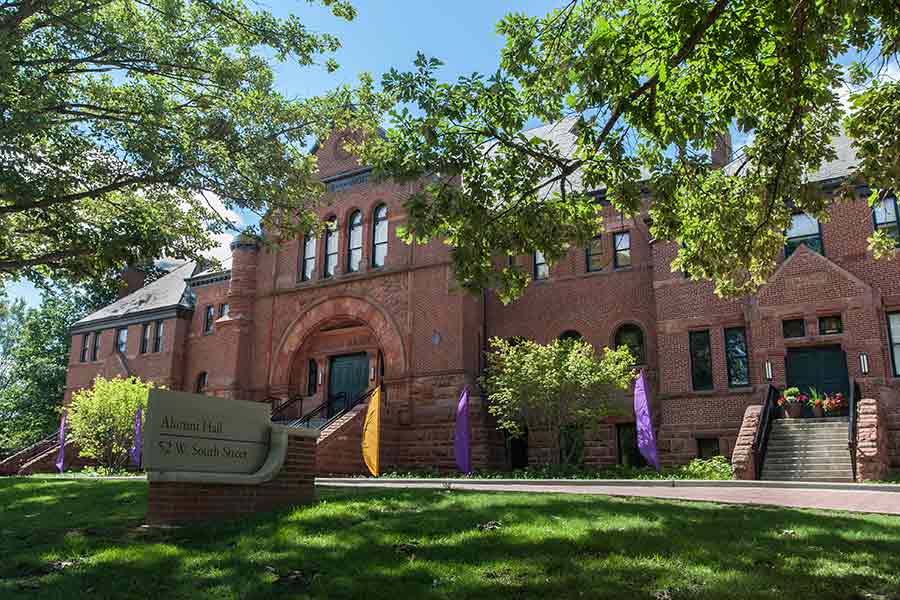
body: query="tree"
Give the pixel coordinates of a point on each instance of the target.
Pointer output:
(34, 354)
(649, 84)
(122, 123)
(553, 388)
(101, 419)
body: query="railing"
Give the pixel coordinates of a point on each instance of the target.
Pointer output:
(323, 410)
(11, 463)
(851, 425)
(765, 427)
(278, 412)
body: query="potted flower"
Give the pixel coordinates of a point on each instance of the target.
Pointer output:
(792, 401)
(835, 404)
(816, 403)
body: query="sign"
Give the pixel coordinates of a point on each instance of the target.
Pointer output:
(191, 432)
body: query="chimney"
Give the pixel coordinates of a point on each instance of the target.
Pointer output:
(721, 153)
(132, 280)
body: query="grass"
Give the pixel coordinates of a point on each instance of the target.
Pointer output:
(82, 538)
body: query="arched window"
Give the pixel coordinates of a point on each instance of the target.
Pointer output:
(379, 236)
(331, 247)
(571, 334)
(632, 336)
(308, 258)
(202, 380)
(354, 248)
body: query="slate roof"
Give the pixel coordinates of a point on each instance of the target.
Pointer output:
(170, 291)
(560, 132)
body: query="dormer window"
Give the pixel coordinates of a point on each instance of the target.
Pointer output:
(804, 231)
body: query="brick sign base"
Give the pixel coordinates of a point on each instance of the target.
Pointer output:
(183, 502)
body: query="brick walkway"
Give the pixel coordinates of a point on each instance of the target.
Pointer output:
(859, 499)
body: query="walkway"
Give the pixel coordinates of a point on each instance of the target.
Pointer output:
(850, 497)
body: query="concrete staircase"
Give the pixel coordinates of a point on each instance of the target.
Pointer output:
(808, 450)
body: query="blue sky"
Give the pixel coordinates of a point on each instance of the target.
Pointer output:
(385, 34)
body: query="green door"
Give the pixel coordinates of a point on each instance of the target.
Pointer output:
(349, 377)
(824, 368)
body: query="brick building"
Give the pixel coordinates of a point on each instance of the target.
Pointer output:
(325, 319)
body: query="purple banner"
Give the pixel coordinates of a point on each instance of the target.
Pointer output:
(461, 436)
(646, 439)
(61, 457)
(136, 448)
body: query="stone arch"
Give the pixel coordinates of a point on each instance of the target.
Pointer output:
(314, 317)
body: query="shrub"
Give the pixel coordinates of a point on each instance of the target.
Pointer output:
(101, 419)
(716, 467)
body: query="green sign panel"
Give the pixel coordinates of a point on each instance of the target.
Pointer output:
(190, 432)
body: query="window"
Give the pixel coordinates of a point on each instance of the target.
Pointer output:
(631, 336)
(804, 231)
(701, 360)
(331, 247)
(84, 347)
(158, 338)
(894, 338)
(541, 270)
(622, 246)
(594, 255)
(736, 357)
(202, 380)
(887, 217)
(312, 381)
(793, 328)
(569, 335)
(830, 325)
(628, 453)
(708, 447)
(95, 350)
(224, 309)
(145, 338)
(379, 236)
(209, 315)
(308, 259)
(354, 248)
(121, 340)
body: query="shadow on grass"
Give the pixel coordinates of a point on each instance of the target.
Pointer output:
(406, 544)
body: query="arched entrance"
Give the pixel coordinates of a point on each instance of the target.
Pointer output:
(336, 351)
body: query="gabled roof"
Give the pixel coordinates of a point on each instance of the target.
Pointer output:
(167, 294)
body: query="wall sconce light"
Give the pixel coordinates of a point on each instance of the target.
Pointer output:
(769, 374)
(321, 377)
(371, 373)
(863, 363)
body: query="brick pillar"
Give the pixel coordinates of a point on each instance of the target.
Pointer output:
(742, 460)
(237, 328)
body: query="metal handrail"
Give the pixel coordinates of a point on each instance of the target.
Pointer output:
(765, 427)
(851, 425)
(305, 420)
(282, 407)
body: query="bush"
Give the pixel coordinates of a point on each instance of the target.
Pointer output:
(716, 467)
(101, 419)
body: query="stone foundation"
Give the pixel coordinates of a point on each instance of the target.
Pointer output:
(182, 502)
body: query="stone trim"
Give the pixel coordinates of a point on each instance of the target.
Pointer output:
(872, 456)
(743, 464)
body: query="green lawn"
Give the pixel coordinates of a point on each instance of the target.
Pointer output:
(82, 538)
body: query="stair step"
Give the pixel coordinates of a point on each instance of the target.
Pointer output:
(811, 454)
(847, 479)
(809, 460)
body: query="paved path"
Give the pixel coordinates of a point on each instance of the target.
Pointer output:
(858, 499)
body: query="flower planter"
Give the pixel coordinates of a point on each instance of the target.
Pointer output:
(793, 410)
(818, 412)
